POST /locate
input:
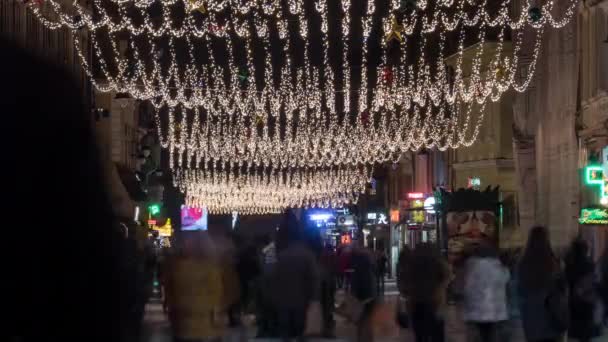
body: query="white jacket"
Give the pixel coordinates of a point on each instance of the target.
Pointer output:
(485, 290)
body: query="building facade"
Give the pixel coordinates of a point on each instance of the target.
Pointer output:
(129, 157)
(19, 25)
(560, 124)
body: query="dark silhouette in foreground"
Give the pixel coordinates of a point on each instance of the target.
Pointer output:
(64, 277)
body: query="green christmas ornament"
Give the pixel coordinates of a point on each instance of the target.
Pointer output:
(243, 74)
(535, 14)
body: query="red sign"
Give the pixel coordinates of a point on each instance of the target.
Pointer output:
(415, 195)
(151, 222)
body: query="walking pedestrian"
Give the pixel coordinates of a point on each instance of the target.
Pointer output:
(295, 281)
(194, 289)
(403, 286)
(512, 331)
(485, 295)
(266, 313)
(363, 289)
(328, 265)
(381, 268)
(603, 278)
(543, 290)
(585, 302)
(428, 278)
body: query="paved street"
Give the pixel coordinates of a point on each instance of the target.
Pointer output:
(157, 327)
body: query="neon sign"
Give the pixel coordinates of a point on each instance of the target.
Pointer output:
(594, 216)
(594, 176)
(415, 195)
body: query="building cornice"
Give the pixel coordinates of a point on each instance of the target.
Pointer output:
(502, 163)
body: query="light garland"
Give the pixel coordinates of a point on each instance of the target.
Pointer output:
(294, 114)
(195, 138)
(224, 188)
(428, 18)
(411, 85)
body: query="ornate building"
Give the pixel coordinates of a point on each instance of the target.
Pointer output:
(559, 119)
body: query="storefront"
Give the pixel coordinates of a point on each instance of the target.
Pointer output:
(337, 227)
(418, 222)
(593, 218)
(376, 231)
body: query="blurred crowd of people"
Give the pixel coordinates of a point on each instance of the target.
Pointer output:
(214, 280)
(531, 295)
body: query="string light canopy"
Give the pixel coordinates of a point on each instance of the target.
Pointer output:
(195, 138)
(223, 188)
(397, 85)
(284, 85)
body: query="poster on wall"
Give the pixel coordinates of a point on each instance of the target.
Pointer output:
(194, 218)
(471, 217)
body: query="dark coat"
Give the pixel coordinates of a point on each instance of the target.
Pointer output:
(363, 281)
(295, 278)
(584, 301)
(536, 319)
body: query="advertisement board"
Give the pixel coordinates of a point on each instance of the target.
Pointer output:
(194, 218)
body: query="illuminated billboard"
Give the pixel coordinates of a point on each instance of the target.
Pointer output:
(194, 218)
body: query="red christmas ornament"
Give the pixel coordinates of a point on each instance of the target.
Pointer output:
(365, 118)
(387, 75)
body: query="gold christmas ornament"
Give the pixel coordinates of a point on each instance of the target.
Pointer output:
(395, 32)
(195, 7)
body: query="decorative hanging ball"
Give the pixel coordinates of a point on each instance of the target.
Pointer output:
(387, 75)
(214, 29)
(535, 14)
(243, 74)
(259, 120)
(500, 72)
(395, 31)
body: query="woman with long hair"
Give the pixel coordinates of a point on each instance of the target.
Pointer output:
(541, 290)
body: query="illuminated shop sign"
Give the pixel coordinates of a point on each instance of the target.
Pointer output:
(594, 176)
(321, 217)
(377, 218)
(429, 205)
(594, 216)
(415, 195)
(418, 216)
